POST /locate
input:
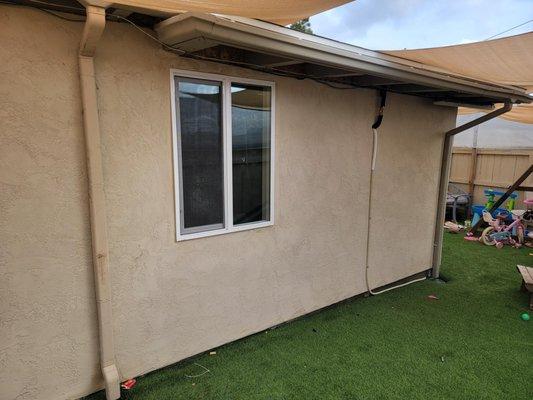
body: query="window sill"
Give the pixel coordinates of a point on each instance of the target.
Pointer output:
(216, 232)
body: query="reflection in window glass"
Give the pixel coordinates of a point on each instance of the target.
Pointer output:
(250, 119)
(201, 154)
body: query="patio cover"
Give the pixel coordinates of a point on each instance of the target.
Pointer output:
(282, 12)
(507, 61)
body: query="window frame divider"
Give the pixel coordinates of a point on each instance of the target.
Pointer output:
(228, 154)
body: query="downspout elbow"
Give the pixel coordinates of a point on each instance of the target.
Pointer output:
(507, 106)
(92, 31)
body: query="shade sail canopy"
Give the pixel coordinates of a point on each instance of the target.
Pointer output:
(520, 113)
(507, 61)
(281, 12)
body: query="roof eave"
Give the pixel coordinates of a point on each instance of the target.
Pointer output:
(191, 31)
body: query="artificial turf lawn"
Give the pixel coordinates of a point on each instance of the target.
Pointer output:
(469, 344)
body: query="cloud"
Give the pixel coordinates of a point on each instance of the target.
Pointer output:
(466, 41)
(398, 24)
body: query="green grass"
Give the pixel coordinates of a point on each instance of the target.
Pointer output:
(469, 344)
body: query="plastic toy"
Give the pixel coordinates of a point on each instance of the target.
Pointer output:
(127, 385)
(525, 316)
(452, 227)
(498, 233)
(511, 203)
(477, 209)
(491, 193)
(490, 198)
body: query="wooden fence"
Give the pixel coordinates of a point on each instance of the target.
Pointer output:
(474, 170)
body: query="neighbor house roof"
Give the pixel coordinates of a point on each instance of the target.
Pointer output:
(276, 49)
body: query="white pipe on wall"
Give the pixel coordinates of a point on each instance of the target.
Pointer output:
(375, 127)
(94, 27)
(369, 225)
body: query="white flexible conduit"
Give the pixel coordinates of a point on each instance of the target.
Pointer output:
(374, 148)
(375, 127)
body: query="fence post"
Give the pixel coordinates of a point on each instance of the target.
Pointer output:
(528, 195)
(472, 178)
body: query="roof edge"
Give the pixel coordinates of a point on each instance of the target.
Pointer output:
(274, 39)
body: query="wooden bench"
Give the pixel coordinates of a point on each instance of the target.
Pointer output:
(527, 282)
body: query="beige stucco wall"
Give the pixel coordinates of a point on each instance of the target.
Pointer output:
(172, 300)
(405, 182)
(48, 335)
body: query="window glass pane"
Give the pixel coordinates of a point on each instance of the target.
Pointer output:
(250, 118)
(201, 154)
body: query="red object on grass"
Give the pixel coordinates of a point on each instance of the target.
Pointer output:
(471, 238)
(128, 384)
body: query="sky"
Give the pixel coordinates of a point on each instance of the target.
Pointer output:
(409, 24)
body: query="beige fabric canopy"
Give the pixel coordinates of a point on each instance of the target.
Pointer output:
(520, 113)
(507, 61)
(282, 12)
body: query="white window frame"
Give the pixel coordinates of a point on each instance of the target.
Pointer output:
(226, 82)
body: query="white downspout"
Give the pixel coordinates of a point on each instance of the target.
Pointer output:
(94, 27)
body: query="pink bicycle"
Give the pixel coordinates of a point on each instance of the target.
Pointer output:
(498, 233)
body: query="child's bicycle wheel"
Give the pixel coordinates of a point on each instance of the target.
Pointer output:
(485, 236)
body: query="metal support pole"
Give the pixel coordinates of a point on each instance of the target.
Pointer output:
(444, 177)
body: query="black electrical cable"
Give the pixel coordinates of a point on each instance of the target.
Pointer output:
(61, 16)
(379, 118)
(45, 10)
(509, 30)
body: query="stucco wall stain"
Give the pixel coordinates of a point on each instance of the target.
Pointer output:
(172, 300)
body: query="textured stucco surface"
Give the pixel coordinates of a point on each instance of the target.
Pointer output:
(48, 336)
(405, 182)
(172, 300)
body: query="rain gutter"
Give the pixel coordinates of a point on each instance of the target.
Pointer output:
(444, 178)
(193, 31)
(93, 29)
